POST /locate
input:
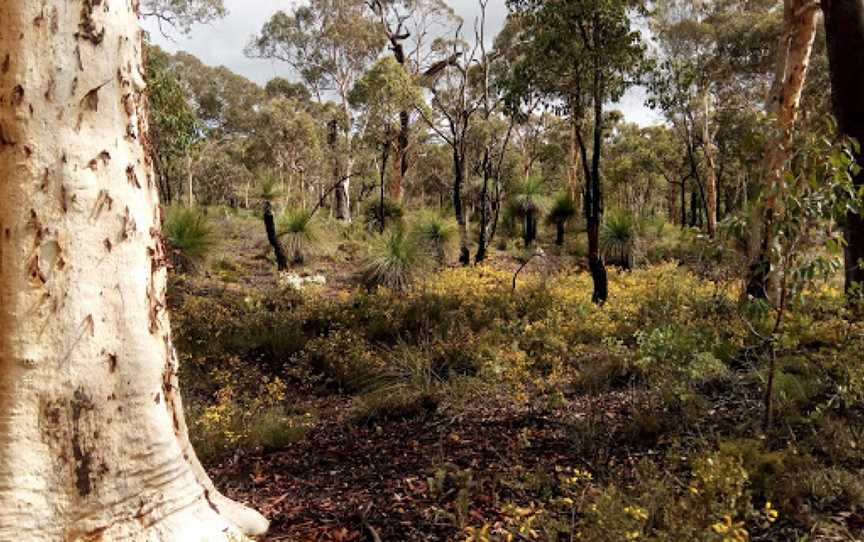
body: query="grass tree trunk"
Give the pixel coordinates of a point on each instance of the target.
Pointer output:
(270, 228)
(559, 232)
(93, 443)
(799, 32)
(530, 234)
(844, 25)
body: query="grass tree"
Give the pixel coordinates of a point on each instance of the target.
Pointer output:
(562, 211)
(844, 25)
(395, 261)
(190, 237)
(618, 237)
(437, 233)
(94, 442)
(582, 55)
(528, 202)
(268, 190)
(300, 234)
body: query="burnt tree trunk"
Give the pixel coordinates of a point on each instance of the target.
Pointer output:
(484, 209)
(530, 233)
(844, 26)
(559, 232)
(458, 206)
(270, 226)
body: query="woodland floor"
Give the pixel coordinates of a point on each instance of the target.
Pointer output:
(350, 482)
(346, 481)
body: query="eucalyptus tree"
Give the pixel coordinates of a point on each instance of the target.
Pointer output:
(382, 95)
(410, 26)
(793, 60)
(94, 442)
(329, 44)
(579, 55)
(714, 58)
(288, 137)
(174, 126)
(455, 106)
(181, 14)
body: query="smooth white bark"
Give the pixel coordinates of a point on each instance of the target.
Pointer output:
(93, 445)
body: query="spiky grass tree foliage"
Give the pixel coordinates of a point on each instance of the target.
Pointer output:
(437, 234)
(395, 261)
(393, 214)
(618, 236)
(528, 201)
(190, 236)
(563, 210)
(299, 234)
(268, 186)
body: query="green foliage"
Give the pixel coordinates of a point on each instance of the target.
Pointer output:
(437, 233)
(300, 235)
(529, 197)
(618, 235)
(268, 186)
(371, 213)
(383, 92)
(174, 127)
(182, 14)
(328, 43)
(395, 261)
(190, 237)
(562, 210)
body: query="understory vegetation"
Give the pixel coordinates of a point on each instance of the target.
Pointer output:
(638, 420)
(431, 285)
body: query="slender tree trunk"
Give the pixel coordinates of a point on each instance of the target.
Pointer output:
(595, 205)
(93, 443)
(458, 206)
(559, 232)
(270, 227)
(799, 33)
(684, 203)
(710, 169)
(573, 166)
(189, 178)
(844, 25)
(385, 154)
(400, 164)
(484, 208)
(695, 215)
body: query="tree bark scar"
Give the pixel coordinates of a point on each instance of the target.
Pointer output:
(132, 177)
(210, 501)
(87, 27)
(83, 458)
(5, 139)
(17, 96)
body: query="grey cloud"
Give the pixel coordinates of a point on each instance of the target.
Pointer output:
(222, 43)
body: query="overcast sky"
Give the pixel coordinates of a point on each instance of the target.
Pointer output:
(222, 42)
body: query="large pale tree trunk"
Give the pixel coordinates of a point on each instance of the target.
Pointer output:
(93, 443)
(844, 25)
(799, 32)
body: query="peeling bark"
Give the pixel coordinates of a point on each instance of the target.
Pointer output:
(92, 439)
(799, 33)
